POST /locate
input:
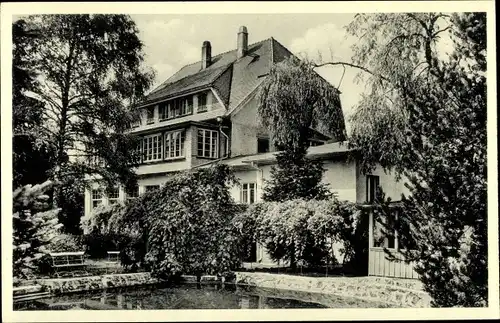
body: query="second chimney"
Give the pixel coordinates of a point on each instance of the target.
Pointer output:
(242, 42)
(206, 54)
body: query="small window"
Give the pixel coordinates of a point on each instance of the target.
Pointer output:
(262, 145)
(372, 184)
(151, 188)
(163, 111)
(208, 143)
(97, 198)
(132, 194)
(174, 144)
(150, 115)
(152, 148)
(202, 102)
(113, 196)
(248, 193)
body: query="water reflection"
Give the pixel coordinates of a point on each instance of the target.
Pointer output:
(188, 296)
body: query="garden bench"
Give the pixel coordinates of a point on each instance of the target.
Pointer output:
(64, 262)
(113, 256)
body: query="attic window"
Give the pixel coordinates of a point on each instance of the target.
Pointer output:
(202, 102)
(150, 115)
(262, 145)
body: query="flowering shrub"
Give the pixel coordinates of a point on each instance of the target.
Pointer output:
(300, 231)
(184, 227)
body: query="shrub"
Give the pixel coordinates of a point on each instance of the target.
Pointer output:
(64, 242)
(300, 231)
(184, 227)
(34, 227)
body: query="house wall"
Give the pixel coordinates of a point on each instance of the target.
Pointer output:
(391, 187)
(378, 264)
(245, 128)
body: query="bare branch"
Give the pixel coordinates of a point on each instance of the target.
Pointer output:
(316, 65)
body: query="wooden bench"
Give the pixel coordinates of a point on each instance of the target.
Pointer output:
(65, 262)
(113, 256)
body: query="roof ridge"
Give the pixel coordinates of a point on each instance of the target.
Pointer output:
(197, 62)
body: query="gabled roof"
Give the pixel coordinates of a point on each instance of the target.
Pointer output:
(233, 79)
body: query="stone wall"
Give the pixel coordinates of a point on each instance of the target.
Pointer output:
(394, 292)
(77, 284)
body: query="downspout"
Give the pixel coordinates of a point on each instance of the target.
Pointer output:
(228, 153)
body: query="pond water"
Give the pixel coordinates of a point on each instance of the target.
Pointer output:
(191, 296)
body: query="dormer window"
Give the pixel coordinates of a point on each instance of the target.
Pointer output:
(150, 115)
(163, 111)
(202, 102)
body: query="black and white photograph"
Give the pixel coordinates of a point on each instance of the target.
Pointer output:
(168, 159)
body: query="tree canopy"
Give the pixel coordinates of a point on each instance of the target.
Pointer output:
(90, 74)
(425, 118)
(293, 100)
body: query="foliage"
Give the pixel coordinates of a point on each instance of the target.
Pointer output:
(184, 227)
(426, 119)
(34, 227)
(64, 242)
(31, 157)
(102, 231)
(90, 76)
(300, 231)
(293, 100)
(295, 177)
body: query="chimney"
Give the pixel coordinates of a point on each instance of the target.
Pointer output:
(242, 42)
(206, 54)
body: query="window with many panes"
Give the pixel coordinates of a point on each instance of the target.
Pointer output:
(132, 193)
(96, 197)
(202, 102)
(150, 115)
(208, 143)
(174, 144)
(372, 183)
(113, 196)
(152, 148)
(248, 193)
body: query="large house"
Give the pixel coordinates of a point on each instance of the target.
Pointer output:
(207, 112)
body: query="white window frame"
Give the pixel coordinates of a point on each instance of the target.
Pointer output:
(172, 144)
(163, 107)
(146, 157)
(148, 119)
(128, 196)
(213, 152)
(202, 107)
(96, 196)
(246, 188)
(114, 200)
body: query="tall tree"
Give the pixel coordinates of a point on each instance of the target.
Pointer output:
(90, 75)
(293, 100)
(32, 158)
(425, 119)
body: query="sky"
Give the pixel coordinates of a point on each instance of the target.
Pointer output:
(172, 41)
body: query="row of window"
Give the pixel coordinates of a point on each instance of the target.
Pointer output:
(248, 194)
(170, 145)
(175, 108)
(113, 196)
